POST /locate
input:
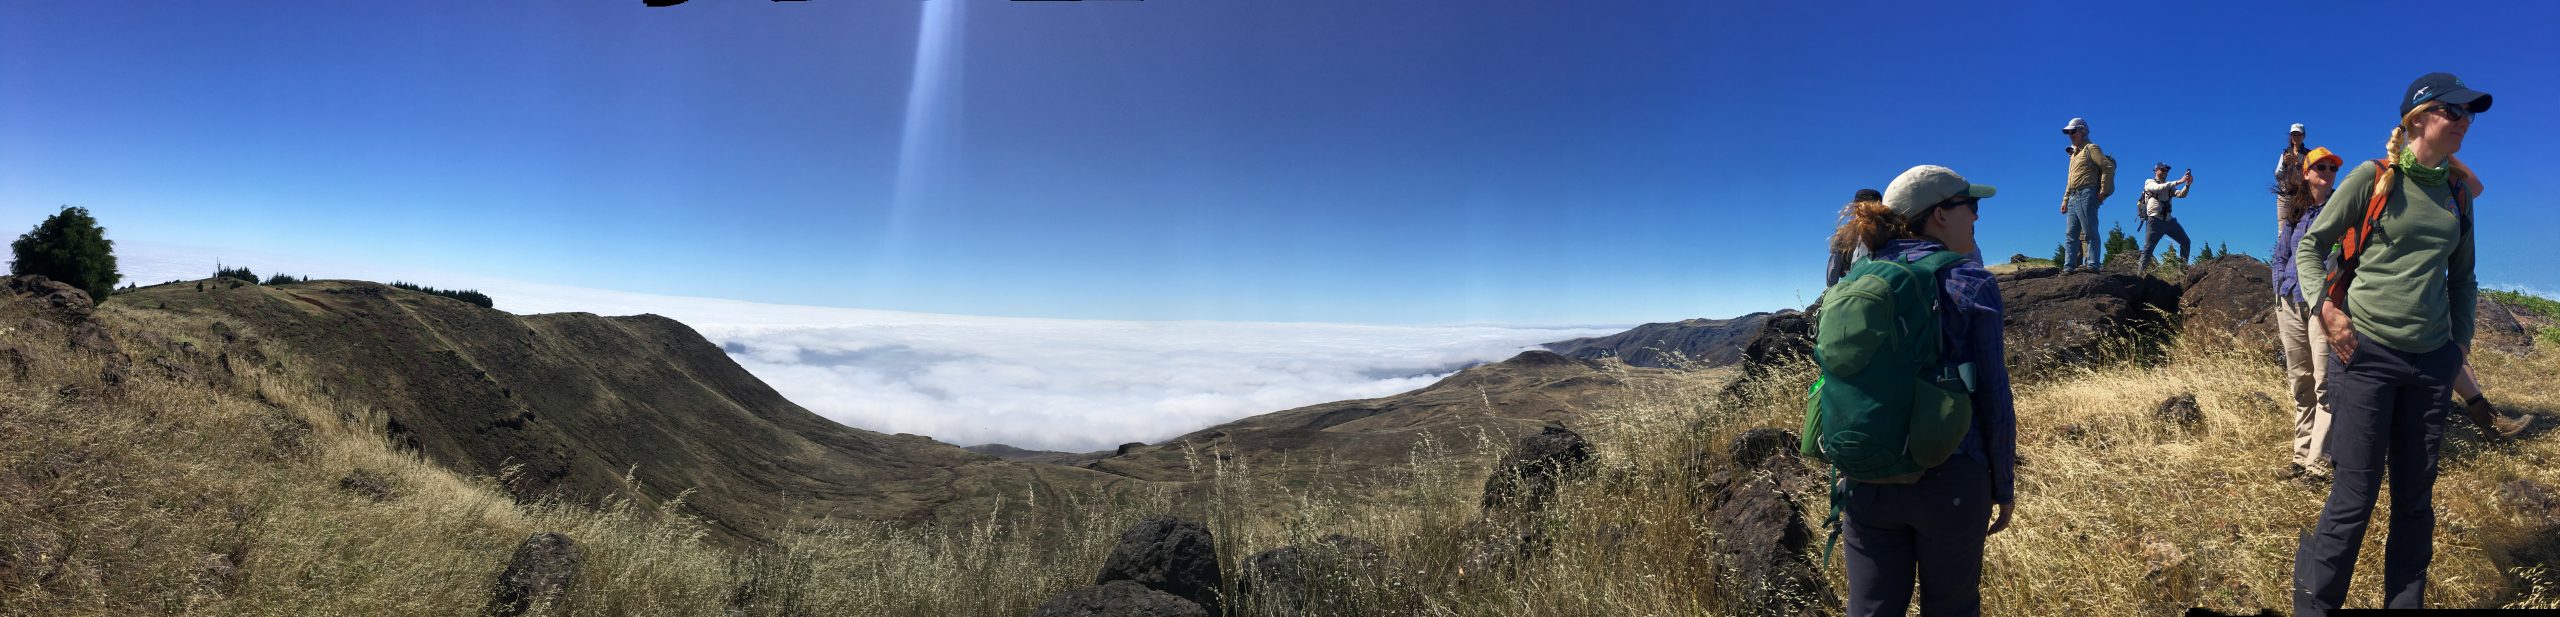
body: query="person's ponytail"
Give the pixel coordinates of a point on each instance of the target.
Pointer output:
(1870, 224)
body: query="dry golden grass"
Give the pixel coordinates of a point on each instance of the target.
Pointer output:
(110, 504)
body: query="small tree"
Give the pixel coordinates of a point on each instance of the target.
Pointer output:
(2206, 254)
(2058, 252)
(2119, 244)
(69, 247)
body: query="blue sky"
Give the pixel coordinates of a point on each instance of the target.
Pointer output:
(1510, 162)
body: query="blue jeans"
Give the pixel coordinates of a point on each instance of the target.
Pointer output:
(2080, 225)
(2388, 410)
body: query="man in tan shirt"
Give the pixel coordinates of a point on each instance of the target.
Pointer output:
(2091, 181)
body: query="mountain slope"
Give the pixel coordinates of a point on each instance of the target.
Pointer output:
(569, 404)
(1684, 344)
(1486, 405)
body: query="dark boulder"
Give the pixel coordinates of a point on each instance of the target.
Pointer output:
(1291, 580)
(2180, 411)
(1525, 479)
(2231, 297)
(1755, 446)
(1760, 549)
(2494, 326)
(544, 567)
(1167, 554)
(2054, 320)
(1783, 341)
(1118, 599)
(58, 309)
(366, 483)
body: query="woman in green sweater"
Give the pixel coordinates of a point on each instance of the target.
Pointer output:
(2398, 344)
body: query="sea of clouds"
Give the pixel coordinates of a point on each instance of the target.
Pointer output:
(1042, 384)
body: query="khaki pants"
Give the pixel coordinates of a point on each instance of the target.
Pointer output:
(2306, 360)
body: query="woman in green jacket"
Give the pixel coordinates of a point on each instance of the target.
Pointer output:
(2397, 344)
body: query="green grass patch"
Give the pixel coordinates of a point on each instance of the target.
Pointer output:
(2539, 305)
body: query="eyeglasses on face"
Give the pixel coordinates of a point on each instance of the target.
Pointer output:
(2325, 168)
(2454, 113)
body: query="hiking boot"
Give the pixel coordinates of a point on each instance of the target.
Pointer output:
(2487, 416)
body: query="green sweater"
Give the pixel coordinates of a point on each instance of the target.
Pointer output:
(2414, 287)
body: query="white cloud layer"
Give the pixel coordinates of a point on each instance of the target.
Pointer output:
(1048, 384)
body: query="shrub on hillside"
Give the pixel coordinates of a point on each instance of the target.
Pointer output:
(282, 278)
(69, 247)
(241, 273)
(466, 295)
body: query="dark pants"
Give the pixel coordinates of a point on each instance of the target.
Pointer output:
(1933, 528)
(2388, 409)
(2151, 239)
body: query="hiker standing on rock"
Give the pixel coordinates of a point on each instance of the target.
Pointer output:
(2305, 350)
(2398, 318)
(2090, 182)
(2289, 167)
(1845, 248)
(1919, 511)
(2156, 219)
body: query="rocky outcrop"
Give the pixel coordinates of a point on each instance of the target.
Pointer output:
(1118, 599)
(2180, 412)
(1756, 499)
(1167, 554)
(2232, 297)
(1291, 580)
(1517, 494)
(544, 567)
(1525, 480)
(2495, 326)
(2055, 320)
(57, 309)
(1686, 344)
(1786, 338)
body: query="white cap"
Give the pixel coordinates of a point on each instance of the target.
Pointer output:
(2075, 125)
(2297, 127)
(1912, 193)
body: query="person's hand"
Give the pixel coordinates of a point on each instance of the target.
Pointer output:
(2341, 333)
(2000, 521)
(2065, 209)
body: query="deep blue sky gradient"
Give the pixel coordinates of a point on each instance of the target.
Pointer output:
(1519, 162)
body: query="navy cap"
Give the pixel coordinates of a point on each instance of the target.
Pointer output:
(2442, 87)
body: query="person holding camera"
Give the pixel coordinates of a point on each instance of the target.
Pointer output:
(2156, 220)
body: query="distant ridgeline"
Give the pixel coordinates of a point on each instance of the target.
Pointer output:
(473, 297)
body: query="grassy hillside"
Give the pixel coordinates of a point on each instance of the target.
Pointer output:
(193, 490)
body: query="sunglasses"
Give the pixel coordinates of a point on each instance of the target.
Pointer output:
(1968, 203)
(2326, 169)
(2454, 113)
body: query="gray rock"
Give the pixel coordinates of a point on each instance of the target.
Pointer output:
(1118, 599)
(2180, 411)
(543, 569)
(1525, 479)
(1290, 580)
(1167, 554)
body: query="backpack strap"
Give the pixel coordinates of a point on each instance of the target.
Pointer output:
(2353, 243)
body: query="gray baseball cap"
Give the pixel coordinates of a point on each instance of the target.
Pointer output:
(1918, 188)
(2075, 124)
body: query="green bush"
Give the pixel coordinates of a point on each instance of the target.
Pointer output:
(242, 274)
(466, 295)
(281, 278)
(69, 247)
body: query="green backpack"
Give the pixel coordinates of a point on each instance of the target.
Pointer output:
(1885, 408)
